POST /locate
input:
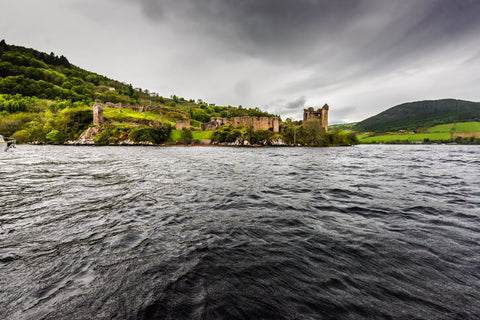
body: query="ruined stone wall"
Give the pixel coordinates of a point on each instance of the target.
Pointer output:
(97, 114)
(256, 123)
(319, 115)
(214, 124)
(179, 125)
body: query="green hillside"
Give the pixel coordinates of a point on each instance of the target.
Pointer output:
(44, 98)
(421, 114)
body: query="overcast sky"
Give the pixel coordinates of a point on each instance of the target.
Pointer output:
(359, 56)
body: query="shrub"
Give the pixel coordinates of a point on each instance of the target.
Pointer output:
(157, 134)
(54, 137)
(186, 136)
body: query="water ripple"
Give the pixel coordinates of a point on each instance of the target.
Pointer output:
(381, 232)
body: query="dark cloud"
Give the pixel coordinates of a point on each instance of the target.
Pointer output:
(359, 56)
(296, 104)
(299, 30)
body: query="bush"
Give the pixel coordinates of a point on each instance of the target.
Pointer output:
(156, 135)
(186, 136)
(261, 135)
(21, 136)
(54, 137)
(112, 135)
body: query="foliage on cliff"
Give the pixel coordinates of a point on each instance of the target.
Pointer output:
(46, 99)
(308, 134)
(115, 134)
(45, 90)
(46, 76)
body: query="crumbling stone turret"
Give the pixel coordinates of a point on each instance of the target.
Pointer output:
(97, 113)
(319, 114)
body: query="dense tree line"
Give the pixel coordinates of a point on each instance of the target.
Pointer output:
(308, 134)
(32, 73)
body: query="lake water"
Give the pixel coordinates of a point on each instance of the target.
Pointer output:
(372, 231)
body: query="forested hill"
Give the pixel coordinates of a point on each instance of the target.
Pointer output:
(413, 115)
(33, 73)
(44, 98)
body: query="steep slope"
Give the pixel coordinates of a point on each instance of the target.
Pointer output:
(33, 73)
(413, 115)
(46, 99)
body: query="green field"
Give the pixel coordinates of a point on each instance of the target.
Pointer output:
(435, 133)
(129, 115)
(197, 135)
(440, 128)
(467, 127)
(406, 137)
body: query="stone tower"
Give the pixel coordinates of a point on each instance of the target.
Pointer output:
(319, 114)
(325, 117)
(97, 113)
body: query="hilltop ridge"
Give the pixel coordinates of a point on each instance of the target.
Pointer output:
(426, 113)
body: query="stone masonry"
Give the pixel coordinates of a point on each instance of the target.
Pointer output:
(97, 113)
(256, 123)
(179, 125)
(319, 114)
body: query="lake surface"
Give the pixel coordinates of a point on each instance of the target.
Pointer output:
(365, 232)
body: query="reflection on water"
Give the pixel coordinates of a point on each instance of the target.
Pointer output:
(233, 233)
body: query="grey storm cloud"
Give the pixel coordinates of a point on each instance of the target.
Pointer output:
(296, 104)
(359, 56)
(304, 28)
(341, 42)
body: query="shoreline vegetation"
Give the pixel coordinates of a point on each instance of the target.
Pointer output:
(44, 99)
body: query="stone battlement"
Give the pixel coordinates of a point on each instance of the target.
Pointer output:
(256, 123)
(319, 114)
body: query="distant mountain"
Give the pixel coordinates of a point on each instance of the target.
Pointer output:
(427, 113)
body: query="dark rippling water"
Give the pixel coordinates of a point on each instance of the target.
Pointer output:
(375, 232)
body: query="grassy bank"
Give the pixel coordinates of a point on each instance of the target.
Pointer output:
(451, 132)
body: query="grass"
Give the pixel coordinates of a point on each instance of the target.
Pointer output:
(467, 126)
(202, 135)
(175, 135)
(197, 135)
(440, 128)
(435, 133)
(406, 137)
(129, 115)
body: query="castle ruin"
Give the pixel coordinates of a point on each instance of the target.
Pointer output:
(179, 125)
(319, 115)
(255, 123)
(97, 113)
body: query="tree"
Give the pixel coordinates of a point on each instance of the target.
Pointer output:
(186, 135)
(3, 45)
(54, 137)
(314, 133)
